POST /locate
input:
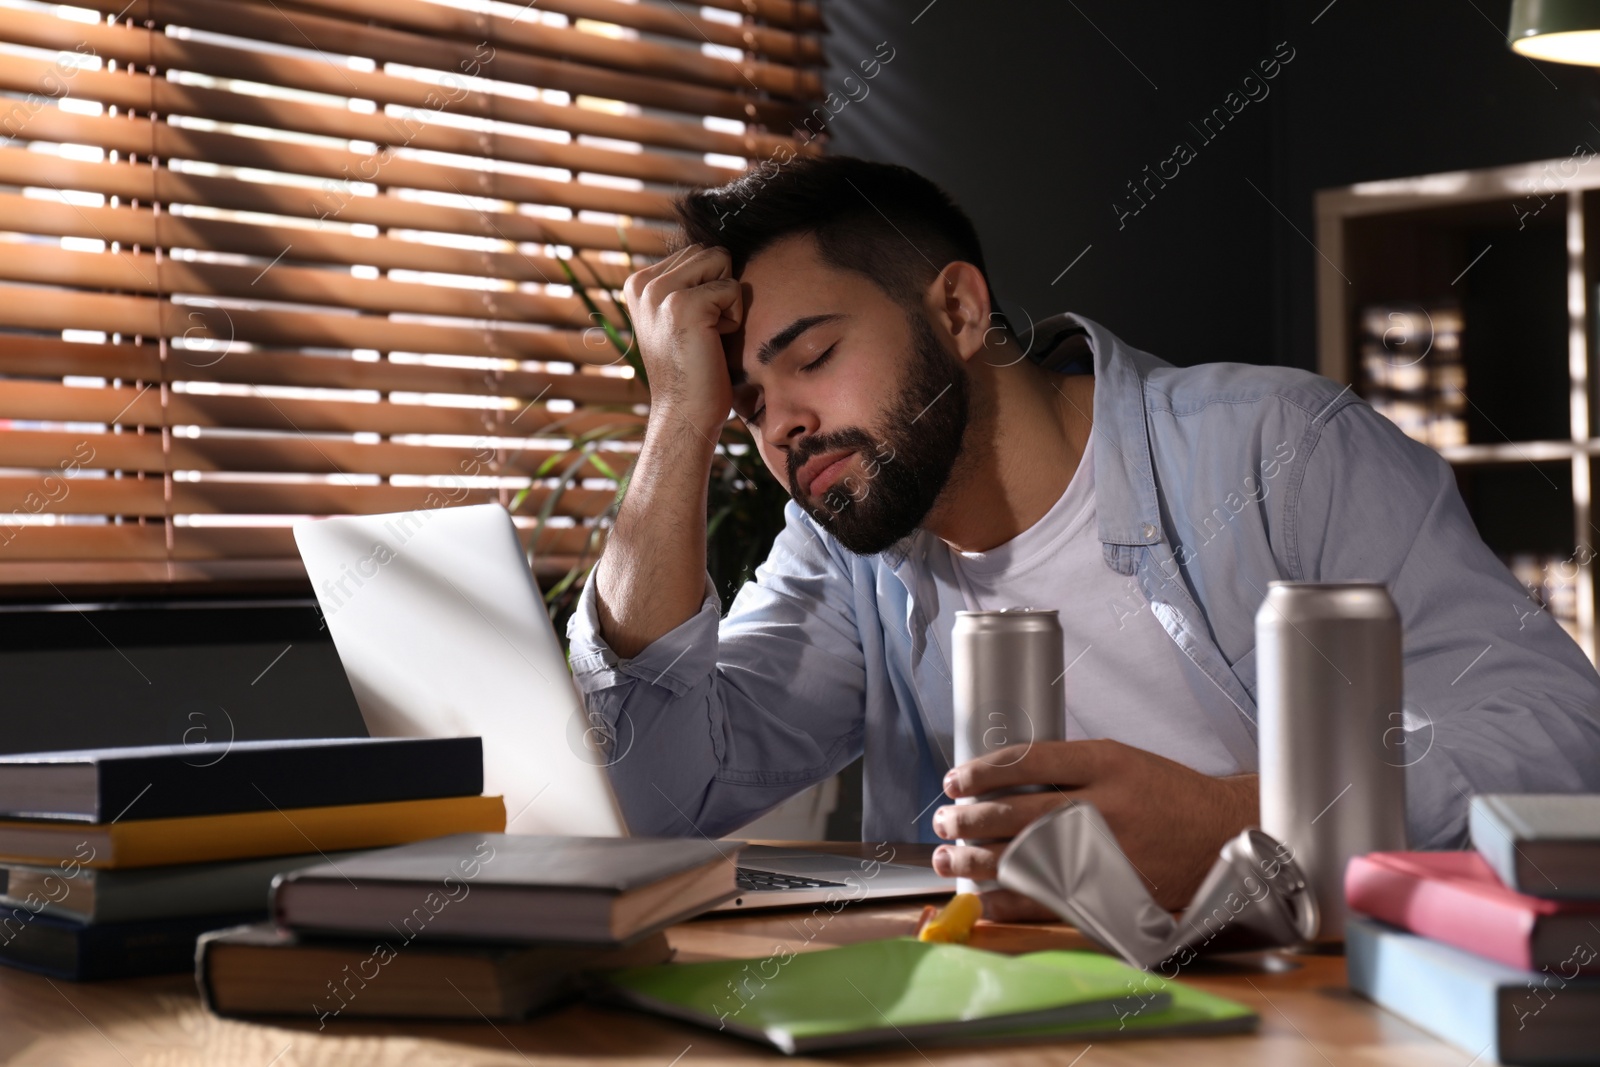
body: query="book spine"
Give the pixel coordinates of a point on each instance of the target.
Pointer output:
(1498, 929)
(1494, 841)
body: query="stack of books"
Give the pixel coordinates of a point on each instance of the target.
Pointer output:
(471, 926)
(114, 861)
(1412, 372)
(1496, 950)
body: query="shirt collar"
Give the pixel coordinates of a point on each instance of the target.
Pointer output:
(1125, 485)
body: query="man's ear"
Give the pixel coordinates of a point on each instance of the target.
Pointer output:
(957, 302)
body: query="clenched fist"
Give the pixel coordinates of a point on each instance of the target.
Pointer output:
(681, 307)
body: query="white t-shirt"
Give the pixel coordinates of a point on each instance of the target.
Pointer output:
(1126, 679)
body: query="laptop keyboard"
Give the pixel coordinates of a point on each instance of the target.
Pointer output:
(751, 881)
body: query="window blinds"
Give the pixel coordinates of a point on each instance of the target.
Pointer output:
(263, 259)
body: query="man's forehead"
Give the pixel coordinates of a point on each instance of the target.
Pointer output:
(781, 286)
(761, 342)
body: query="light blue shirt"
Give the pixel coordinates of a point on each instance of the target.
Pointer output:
(1210, 482)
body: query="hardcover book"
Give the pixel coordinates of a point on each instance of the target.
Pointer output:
(512, 887)
(172, 781)
(1542, 844)
(1456, 898)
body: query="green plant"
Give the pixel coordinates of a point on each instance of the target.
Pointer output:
(744, 503)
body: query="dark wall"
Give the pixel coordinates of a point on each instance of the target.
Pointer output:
(1036, 116)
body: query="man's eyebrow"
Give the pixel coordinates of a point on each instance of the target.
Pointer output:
(788, 335)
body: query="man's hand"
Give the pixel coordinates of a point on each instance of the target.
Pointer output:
(1169, 820)
(681, 306)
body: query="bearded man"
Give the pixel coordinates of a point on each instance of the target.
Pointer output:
(842, 309)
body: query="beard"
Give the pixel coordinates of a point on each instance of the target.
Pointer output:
(906, 465)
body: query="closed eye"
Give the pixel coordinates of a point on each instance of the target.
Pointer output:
(755, 417)
(820, 360)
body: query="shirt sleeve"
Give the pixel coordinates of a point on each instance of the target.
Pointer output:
(1498, 698)
(720, 720)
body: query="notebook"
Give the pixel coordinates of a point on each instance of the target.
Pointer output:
(900, 991)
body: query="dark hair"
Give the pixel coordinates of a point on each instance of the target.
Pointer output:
(883, 221)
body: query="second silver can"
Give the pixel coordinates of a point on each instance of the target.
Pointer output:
(1007, 668)
(1329, 678)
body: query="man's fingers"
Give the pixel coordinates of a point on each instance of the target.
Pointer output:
(1003, 817)
(1063, 763)
(728, 298)
(966, 861)
(633, 285)
(695, 268)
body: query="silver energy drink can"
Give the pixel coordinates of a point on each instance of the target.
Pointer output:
(1008, 689)
(1329, 697)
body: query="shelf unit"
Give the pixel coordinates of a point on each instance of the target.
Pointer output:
(1517, 251)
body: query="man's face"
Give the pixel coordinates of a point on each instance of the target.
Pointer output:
(855, 404)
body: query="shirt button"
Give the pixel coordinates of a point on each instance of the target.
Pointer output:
(1148, 530)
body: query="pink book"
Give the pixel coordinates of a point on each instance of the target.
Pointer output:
(1456, 898)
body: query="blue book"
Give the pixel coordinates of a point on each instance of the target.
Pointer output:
(1485, 1008)
(1541, 844)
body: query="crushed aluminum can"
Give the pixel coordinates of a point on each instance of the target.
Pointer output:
(1255, 896)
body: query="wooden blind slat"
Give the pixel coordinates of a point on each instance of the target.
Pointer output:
(531, 37)
(795, 14)
(140, 273)
(50, 358)
(131, 541)
(145, 183)
(110, 577)
(152, 454)
(134, 406)
(154, 497)
(681, 20)
(148, 497)
(151, 229)
(217, 328)
(145, 137)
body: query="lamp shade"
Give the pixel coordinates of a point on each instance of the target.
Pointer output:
(1561, 31)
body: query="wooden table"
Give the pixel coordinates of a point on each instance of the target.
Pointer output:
(1308, 1017)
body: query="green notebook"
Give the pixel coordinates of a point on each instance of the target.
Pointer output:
(906, 990)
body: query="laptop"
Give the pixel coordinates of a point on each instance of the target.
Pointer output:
(443, 633)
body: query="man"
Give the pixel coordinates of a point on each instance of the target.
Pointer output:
(842, 310)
